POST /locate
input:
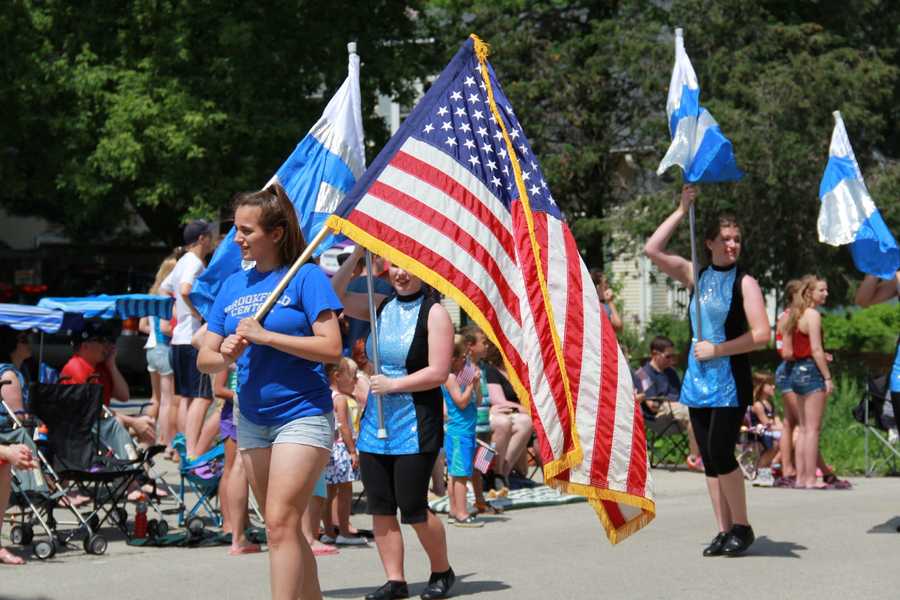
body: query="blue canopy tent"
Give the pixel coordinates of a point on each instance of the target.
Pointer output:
(23, 317)
(121, 306)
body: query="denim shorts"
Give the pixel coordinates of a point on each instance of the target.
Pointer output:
(158, 360)
(783, 377)
(317, 430)
(805, 377)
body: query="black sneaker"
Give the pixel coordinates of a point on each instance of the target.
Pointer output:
(389, 591)
(739, 539)
(439, 585)
(716, 545)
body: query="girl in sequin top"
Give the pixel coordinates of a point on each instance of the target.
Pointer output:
(415, 343)
(717, 384)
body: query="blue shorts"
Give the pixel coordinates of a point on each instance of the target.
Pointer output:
(321, 490)
(783, 377)
(317, 431)
(805, 377)
(460, 451)
(189, 381)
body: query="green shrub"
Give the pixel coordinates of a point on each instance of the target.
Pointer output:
(873, 329)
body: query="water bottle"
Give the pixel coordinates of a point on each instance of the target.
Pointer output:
(140, 518)
(40, 438)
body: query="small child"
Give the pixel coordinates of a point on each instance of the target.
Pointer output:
(343, 467)
(766, 422)
(461, 403)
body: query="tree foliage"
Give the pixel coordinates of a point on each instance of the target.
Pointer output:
(168, 107)
(589, 80)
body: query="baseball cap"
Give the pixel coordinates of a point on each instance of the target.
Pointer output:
(194, 229)
(93, 330)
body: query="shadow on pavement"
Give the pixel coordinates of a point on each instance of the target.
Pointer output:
(462, 588)
(765, 546)
(889, 526)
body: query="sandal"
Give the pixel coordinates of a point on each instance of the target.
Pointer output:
(831, 480)
(485, 507)
(470, 522)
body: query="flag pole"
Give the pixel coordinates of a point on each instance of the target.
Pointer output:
(381, 434)
(376, 359)
(276, 293)
(695, 267)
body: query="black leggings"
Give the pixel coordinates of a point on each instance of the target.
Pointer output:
(397, 481)
(717, 430)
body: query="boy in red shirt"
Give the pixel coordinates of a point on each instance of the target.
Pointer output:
(94, 361)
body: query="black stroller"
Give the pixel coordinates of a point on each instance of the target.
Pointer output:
(32, 495)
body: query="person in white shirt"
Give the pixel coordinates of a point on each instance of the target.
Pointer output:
(193, 388)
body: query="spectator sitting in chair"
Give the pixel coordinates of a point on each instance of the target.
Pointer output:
(94, 361)
(658, 383)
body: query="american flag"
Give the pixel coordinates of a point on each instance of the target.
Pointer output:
(458, 198)
(484, 456)
(466, 374)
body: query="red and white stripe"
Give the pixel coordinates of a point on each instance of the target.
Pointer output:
(431, 209)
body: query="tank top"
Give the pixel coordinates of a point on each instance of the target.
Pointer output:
(6, 421)
(414, 421)
(802, 347)
(725, 380)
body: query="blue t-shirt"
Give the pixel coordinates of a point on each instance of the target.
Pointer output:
(460, 422)
(276, 387)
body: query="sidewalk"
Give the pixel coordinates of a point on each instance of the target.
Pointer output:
(811, 544)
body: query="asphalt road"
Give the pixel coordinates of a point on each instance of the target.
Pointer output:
(811, 544)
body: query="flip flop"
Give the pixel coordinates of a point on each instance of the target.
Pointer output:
(325, 550)
(250, 549)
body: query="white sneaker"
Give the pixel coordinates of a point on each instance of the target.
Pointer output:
(358, 540)
(764, 478)
(327, 539)
(893, 435)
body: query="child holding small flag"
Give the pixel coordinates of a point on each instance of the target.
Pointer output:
(461, 399)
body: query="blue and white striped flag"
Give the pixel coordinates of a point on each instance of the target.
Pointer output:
(698, 145)
(319, 172)
(849, 216)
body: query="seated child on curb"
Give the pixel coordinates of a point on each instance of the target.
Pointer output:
(343, 467)
(461, 402)
(764, 419)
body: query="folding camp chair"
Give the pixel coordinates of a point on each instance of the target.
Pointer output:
(667, 443)
(201, 477)
(869, 413)
(72, 416)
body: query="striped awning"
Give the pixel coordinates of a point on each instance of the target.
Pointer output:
(121, 306)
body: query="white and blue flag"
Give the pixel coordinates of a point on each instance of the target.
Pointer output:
(849, 216)
(698, 145)
(319, 172)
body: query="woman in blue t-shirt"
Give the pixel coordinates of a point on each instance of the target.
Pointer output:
(415, 341)
(717, 385)
(286, 427)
